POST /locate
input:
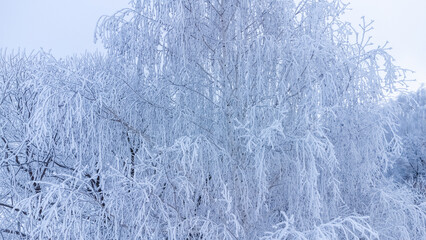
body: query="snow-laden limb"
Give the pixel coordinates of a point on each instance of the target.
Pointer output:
(350, 227)
(398, 213)
(161, 201)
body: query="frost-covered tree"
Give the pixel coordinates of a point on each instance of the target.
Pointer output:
(411, 165)
(215, 119)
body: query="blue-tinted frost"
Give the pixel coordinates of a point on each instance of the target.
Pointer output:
(206, 120)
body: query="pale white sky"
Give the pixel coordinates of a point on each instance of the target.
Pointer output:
(67, 26)
(64, 26)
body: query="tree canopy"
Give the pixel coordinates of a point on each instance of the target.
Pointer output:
(215, 119)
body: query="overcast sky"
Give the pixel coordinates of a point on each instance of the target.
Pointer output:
(66, 27)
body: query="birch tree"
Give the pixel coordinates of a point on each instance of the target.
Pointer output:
(207, 119)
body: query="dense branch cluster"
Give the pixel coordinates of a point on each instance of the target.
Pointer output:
(215, 119)
(410, 166)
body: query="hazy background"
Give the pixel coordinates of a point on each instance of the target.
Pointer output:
(66, 27)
